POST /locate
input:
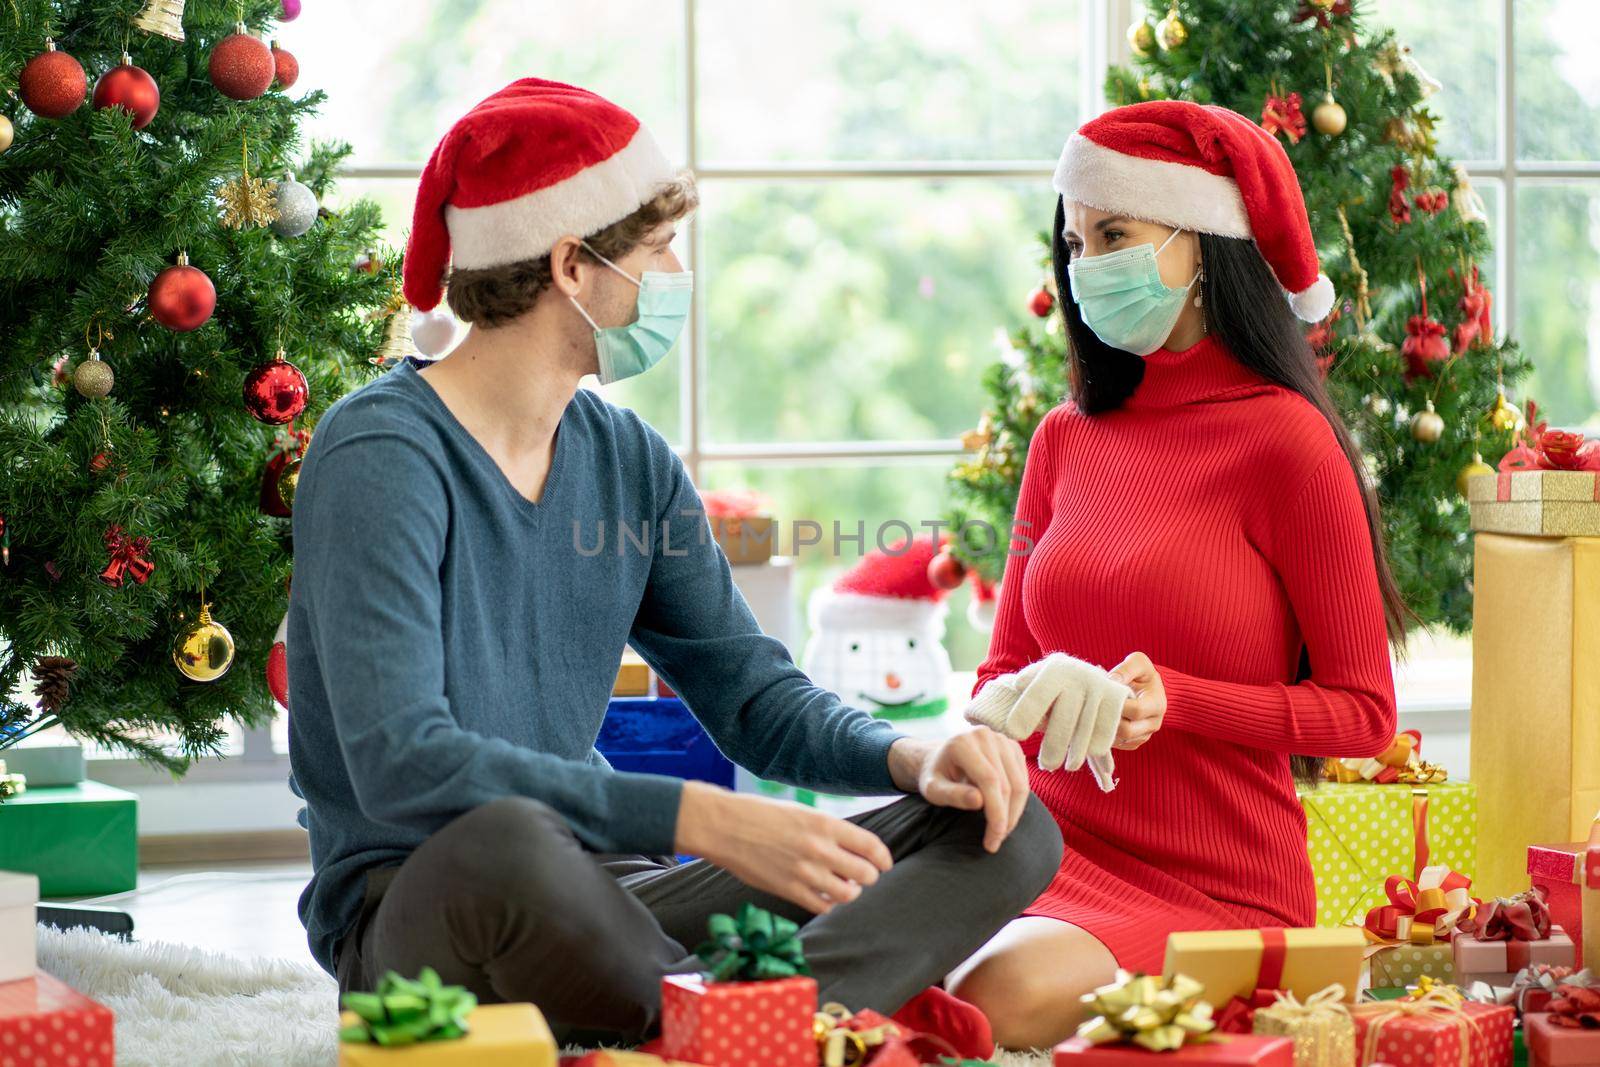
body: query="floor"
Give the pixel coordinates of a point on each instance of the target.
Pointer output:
(247, 909)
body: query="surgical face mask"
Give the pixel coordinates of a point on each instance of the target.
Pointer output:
(664, 301)
(1124, 301)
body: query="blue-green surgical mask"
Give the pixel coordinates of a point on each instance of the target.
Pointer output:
(1124, 301)
(664, 301)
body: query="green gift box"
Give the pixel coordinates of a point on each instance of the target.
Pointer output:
(81, 840)
(1359, 834)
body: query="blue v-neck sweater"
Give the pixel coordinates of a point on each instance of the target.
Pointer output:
(451, 642)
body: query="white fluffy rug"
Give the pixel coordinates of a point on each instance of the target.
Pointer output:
(177, 1004)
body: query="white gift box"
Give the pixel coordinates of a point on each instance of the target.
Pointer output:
(19, 901)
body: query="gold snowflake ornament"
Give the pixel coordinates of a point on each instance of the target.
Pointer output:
(247, 201)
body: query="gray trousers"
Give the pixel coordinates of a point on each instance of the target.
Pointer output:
(505, 901)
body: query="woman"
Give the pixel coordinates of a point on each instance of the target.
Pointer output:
(1208, 593)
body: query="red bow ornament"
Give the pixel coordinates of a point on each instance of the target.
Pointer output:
(1564, 450)
(1321, 12)
(1282, 114)
(1399, 208)
(1424, 345)
(127, 558)
(1425, 911)
(1475, 302)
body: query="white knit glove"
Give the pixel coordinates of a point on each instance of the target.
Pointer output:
(1078, 704)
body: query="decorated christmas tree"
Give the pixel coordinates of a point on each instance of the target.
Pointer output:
(177, 308)
(1409, 351)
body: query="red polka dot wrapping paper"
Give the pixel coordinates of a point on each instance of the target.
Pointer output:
(1434, 1039)
(1228, 1050)
(739, 1024)
(46, 1023)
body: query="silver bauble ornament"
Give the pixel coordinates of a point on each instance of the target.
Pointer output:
(297, 208)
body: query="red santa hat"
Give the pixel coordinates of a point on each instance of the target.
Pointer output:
(1201, 168)
(533, 163)
(888, 590)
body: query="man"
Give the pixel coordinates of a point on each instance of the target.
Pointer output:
(453, 638)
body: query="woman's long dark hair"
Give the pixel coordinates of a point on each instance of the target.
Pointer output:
(1245, 308)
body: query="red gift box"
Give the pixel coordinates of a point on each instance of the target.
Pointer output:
(1410, 1034)
(1224, 1050)
(739, 1024)
(1555, 867)
(1550, 1045)
(1497, 962)
(46, 1023)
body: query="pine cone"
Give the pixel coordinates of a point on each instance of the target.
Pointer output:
(54, 675)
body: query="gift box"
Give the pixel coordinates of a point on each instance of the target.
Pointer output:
(498, 1035)
(1540, 503)
(1320, 1028)
(1497, 962)
(1237, 963)
(659, 735)
(81, 840)
(1398, 966)
(1360, 833)
(633, 676)
(739, 1024)
(46, 765)
(1535, 684)
(1550, 1045)
(1433, 1030)
(46, 1023)
(742, 525)
(1223, 1050)
(19, 902)
(1557, 870)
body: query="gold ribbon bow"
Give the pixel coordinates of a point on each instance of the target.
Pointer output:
(840, 1046)
(1158, 1014)
(1329, 998)
(1431, 999)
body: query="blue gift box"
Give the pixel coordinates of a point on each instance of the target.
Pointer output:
(658, 735)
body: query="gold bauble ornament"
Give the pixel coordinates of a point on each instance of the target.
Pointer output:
(1471, 471)
(1141, 38)
(1171, 33)
(204, 652)
(93, 378)
(1329, 117)
(8, 133)
(1503, 416)
(1426, 425)
(288, 482)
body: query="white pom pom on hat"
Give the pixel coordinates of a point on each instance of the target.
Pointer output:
(1201, 168)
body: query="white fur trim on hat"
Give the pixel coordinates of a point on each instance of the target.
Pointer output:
(529, 226)
(852, 611)
(1181, 195)
(1310, 305)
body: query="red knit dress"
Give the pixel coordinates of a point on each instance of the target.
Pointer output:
(1213, 523)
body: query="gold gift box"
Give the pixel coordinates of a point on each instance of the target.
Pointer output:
(1535, 691)
(1228, 962)
(498, 1035)
(1537, 502)
(1324, 1034)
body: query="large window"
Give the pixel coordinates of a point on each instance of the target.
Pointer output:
(874, 177)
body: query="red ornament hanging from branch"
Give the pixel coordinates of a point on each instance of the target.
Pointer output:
(1282, 114)
(1399, 207)
(130, 88)
(1425, 342)
(1475, 304)
(127, 558)
(53, 84)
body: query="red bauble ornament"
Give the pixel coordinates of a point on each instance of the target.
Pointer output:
(241, 66)
(129, 87)
(275, 392)
(53, 84)
(286, 66)
(278, 665)
(1424, 345)
(182, 297)
(945, 571)
(1040, 302)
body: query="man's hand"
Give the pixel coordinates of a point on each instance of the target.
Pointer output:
(798, 853)
(1143, 713)
(975, 770)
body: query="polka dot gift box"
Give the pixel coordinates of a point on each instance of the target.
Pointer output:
(1435, 1030)
(753, 1006)
(46, 1023)
(1358, 834)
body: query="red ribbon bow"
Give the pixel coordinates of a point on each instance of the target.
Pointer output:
(1424, 911)
(1281, 114)
(1576, 1007)
(127, 558)
(1475, 304)
(1238, 1016)
(1524, 917)
(1399, 207)
(1424, 344)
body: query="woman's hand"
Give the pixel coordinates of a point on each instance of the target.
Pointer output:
(1141, 713)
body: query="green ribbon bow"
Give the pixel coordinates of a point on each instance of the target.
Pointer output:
(403, 1011)
(754, 947)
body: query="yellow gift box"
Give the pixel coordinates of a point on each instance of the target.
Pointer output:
(1535, 691)
(1546, 503)
(1229, 963)
(1359, 833)
(498, 1035)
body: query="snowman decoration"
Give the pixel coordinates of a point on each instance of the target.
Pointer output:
(877, 640)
